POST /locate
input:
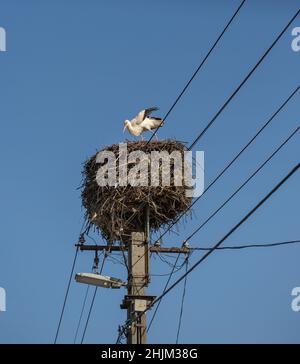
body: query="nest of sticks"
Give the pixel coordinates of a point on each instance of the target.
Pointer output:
(115, 211)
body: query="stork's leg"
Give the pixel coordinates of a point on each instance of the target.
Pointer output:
(155, 134)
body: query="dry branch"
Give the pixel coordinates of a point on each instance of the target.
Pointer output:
(116, 211)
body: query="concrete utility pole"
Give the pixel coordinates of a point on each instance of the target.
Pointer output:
(138, 279)
(137, 300)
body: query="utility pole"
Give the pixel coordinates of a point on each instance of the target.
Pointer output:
(138, 279)
(136, 299)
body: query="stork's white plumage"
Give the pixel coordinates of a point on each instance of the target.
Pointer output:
(143, 122)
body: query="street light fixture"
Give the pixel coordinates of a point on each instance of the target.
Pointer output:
(99, 280)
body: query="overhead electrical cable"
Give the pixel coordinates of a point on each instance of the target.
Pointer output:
(225, 237)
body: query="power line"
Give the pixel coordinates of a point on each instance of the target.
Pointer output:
(66, 295)
(81, 240)
(279, 109)
(187, 85)
(205, 256)
(246, 246)
(166, 286)
(85, 296)
(164, 260)
(87, 289)
(243, 220)
(89, 314)
(166, 274)
(81, 313)
(223, 171)
(224, 203)
(242, 83)
(182, 300)
(116, 260)
(216, 211)
(233, 160)
(232, 96)
(93, 300)
(234, 247)
(244, 183)
(124, 256)
(199, 67)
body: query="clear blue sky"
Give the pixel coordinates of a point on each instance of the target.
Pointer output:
(73, 71)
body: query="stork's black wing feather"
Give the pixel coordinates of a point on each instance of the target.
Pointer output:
(153, 117)
(149, 111)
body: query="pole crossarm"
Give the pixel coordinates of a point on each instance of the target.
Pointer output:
(152, 249)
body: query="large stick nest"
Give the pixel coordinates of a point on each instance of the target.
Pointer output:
(116, 211)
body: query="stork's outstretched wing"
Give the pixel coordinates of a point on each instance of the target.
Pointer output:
(142, 115)
(152, 123)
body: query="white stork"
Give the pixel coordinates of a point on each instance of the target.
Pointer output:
(143, 122)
